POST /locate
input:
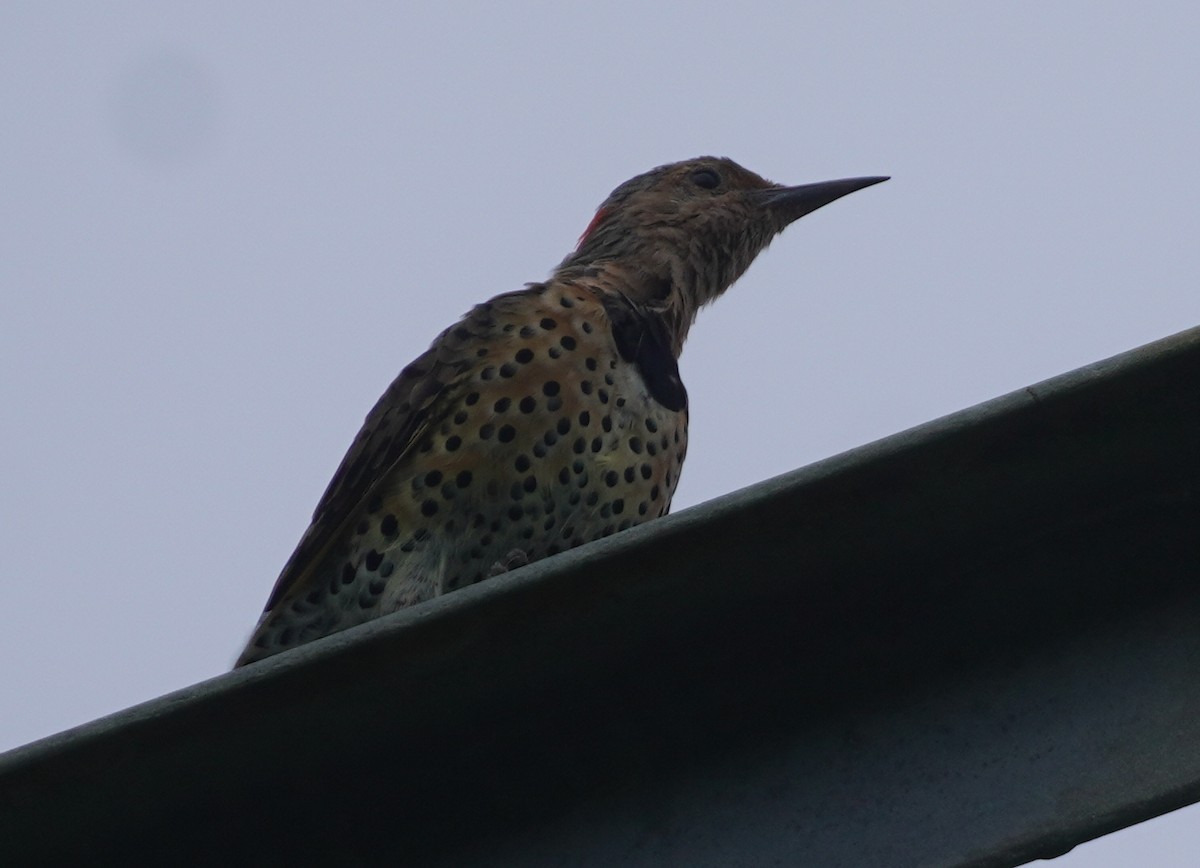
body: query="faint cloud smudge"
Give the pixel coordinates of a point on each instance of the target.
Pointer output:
(165, 108)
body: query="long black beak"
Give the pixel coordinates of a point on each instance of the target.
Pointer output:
(792, 203)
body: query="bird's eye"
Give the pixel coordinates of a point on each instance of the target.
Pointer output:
(706, 178)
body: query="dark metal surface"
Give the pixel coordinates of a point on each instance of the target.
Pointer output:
(977, 642)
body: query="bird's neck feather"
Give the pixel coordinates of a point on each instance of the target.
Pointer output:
(666, 293)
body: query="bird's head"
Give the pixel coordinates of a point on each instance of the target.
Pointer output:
(681, 234)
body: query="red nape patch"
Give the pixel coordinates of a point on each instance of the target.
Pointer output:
(600, 215)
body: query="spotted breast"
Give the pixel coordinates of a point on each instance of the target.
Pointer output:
(560, 419)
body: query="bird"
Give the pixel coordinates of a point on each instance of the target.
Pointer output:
(546, 417)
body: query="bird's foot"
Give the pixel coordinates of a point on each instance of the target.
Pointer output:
(512, 560)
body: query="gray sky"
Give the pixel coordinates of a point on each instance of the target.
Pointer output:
(228, 225)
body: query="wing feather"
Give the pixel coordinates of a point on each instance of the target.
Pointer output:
(415, 401)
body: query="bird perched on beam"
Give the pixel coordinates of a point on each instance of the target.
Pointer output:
(544, 418)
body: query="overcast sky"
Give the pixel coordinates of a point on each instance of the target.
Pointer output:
(226, 227)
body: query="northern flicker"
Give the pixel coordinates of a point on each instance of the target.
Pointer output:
(544, 418)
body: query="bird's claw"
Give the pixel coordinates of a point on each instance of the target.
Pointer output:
(512, 560)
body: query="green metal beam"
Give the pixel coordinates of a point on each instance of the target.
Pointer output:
(976, 642)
